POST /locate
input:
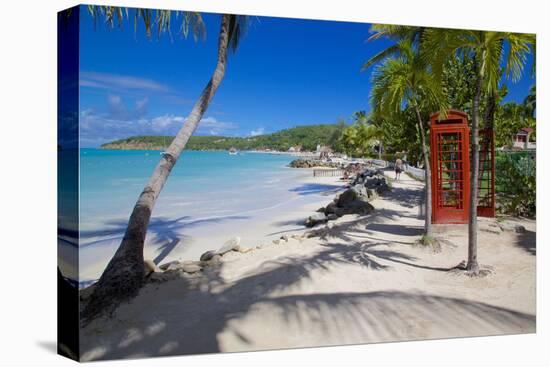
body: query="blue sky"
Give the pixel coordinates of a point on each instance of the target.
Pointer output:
(286, 72)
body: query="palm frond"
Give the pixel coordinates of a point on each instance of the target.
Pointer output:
(154, 21)
(238, 27)
(382, 55)
(519, 46)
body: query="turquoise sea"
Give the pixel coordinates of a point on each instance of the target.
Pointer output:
(202, 184)
(209, 197)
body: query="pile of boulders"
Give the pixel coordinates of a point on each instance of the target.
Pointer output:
(175, 268)
(373, 180)
(354, 168)
(310, 163)
(367, 186)
(194, 269)
(354, 200)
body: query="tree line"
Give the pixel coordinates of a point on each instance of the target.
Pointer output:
(305, 137)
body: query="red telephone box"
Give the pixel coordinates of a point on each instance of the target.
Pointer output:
(486, 182)
(450, 163)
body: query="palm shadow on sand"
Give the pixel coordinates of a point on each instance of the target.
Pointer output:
(199, 310)
(189, 316)
(528, 241)
(167, 232)
(316, 188)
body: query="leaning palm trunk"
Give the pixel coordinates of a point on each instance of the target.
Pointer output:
(428, 177)
(124, 274)
(472, 264)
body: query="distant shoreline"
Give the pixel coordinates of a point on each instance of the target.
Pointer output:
(159, 149)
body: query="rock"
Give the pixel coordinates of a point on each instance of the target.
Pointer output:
(332, 216)
(163, 277)
(276, 242)
(309, 163)
(360, 207)
(151, 267)
(229, 245)
(284, 237)
(316, 219)
(191, 268)
(376, 183)
(372, 194)
(321, 209)
(215, 260)
(309, 234)
(208, 255)
(512, 227)
(172, 265)
(242, 249)
(369, 172)
(360, 190)
(346, 197)
(330, 225)
(330, 208)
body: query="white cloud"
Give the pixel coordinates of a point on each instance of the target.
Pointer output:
(258, 131)
(109, 81)
(212, 124)
(167, 123)
(97, 128)
(117, 108)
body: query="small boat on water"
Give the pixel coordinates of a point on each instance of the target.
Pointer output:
(233, 151)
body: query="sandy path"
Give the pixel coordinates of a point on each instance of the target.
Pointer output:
(365, 281)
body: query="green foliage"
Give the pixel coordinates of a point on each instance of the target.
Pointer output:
(485, 48)
(530, 102)
(403, 80)
(430, 242)
(516, 183)
(459, 83)
(308, 137)
(158, 21)
(510, 118)
(361, 138)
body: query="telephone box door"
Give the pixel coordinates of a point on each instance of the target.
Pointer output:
(451, 168)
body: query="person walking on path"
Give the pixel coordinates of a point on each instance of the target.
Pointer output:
(398, 168)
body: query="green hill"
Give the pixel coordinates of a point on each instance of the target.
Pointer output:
(307, 136)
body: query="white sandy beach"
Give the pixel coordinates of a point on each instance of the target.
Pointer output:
(363, 281)
(170, 239)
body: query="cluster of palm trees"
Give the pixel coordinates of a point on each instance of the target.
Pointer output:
(409, 75)
(512, 116)
(363, 136)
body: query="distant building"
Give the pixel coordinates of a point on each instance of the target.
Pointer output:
(521, 139)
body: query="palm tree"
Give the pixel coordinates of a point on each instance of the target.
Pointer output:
(405, 79)
(349, 140)
(124, 274)
(383, 127)
(530, 102)
(511, 118)
(361, 136)
(488, 52)
(368, 133)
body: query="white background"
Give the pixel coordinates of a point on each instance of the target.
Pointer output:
(28, 181)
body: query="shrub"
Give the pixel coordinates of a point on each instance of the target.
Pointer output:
(516, 184)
